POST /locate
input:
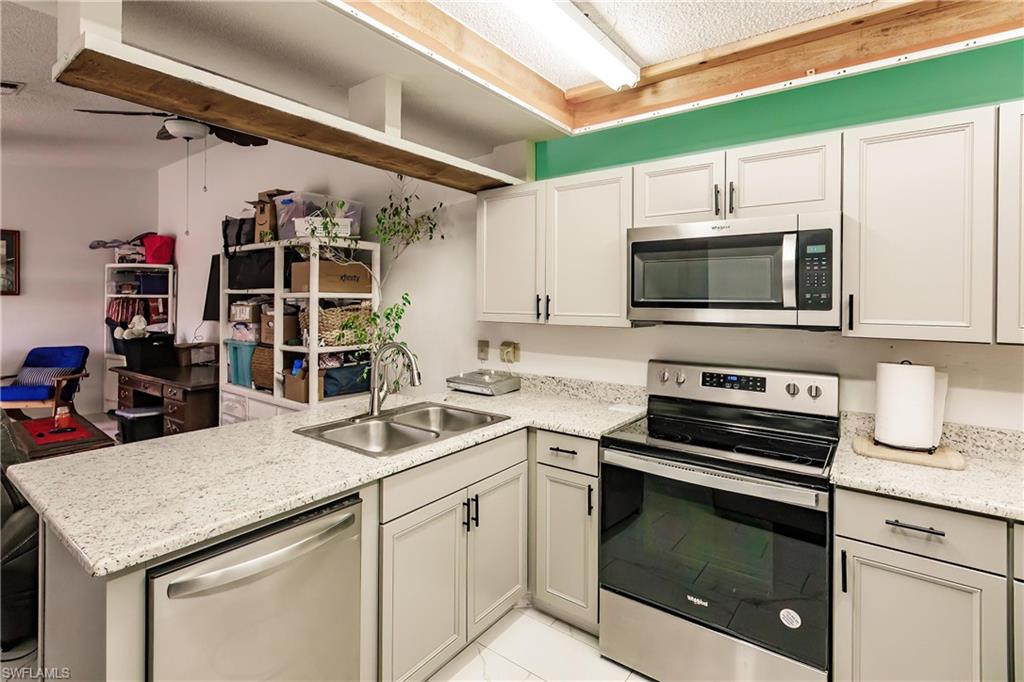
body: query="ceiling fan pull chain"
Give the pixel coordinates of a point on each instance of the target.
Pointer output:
(204, 162)
(187, 184)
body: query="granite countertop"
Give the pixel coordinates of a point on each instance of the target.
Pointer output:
(991, 483)
(120, 507)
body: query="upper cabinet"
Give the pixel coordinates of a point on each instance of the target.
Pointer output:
(510, 231)
(679, 190)
(585, 279)
(793, 175)
(918, 228)
(1010, 260)
(554, 252)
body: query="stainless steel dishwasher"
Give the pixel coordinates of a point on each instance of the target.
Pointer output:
(279, 603)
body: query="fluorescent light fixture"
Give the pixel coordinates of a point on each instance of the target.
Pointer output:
(565, 25)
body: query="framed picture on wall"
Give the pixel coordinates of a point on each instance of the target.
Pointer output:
(10, 262)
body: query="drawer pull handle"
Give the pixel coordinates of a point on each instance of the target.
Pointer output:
(896, 523)
(560, 451)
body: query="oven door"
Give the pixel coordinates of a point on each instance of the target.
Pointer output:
(738, 272)
(744, 556)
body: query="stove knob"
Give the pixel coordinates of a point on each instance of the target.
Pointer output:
(680, 378)
(814, 390)
(792, 389)
(664, 376)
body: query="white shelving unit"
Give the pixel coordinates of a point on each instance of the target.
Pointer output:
(110, 278)
(240, 403)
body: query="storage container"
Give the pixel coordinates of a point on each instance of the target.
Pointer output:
(244, 331)
(153, 283)
(159, 248)
(244, 311)
(302, 204)
(348, 379)
(289, 328)
(297, 389)
(240, 362)
(140, 423)
(263, 367)
(336, 278)
(333, 321)
(155, 350)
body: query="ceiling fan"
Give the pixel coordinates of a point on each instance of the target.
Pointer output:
(179, 127)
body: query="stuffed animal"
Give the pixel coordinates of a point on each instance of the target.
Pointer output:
(136, 328)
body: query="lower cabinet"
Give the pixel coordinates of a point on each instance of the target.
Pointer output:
(567, 538)
(449, 570)
(1018, 630)
(898, 616)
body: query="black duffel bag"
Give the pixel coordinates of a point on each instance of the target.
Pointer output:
(237, 232)
(255, 269)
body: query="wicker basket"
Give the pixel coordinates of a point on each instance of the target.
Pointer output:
(263, 367)
(333, 319)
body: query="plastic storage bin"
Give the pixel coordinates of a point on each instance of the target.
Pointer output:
(343, 380)
(153, 283)
(155, 350)
(140, 423)
(240, 362)
(301, 204)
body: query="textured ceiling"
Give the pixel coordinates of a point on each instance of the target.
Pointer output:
(650, 31)
(39, 126)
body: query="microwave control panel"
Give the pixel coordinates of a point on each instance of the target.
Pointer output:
(738, 382)
(814, 270)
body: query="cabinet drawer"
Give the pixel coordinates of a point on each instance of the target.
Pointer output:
(567, 452)
(233, 404)
(965, 539)
(174, 393)
(124, 397)
(226, 419)
(174, 408)
(172, 426)
(149, 387)
(261, 410)
(123, 380)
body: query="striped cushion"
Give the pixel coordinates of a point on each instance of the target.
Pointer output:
(40, 376)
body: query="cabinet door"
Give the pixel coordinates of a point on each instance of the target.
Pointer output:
(497, 547)
(588, 216)
(679, 190)
(423, 589)
(1018, 630)
(567, 544)
(904, 617)
(794, 175)
(510, 229)
(918, 228)
(1010, 256)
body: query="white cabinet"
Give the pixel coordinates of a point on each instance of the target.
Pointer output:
(555, 252)
(903, 617)
(567, 538)
(1010, 250)
(585, 278)
(919, 227)
(510, 253)
(679, 190)
(423, 588)
(497, 547)
(792, 175)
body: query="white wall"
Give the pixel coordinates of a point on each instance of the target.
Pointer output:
(59, 211)
(986, 382)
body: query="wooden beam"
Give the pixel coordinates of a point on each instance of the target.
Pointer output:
(137, 76)
(915, 26)
(429, 27)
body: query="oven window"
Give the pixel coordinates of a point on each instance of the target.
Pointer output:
(742, 271)
(753, 568)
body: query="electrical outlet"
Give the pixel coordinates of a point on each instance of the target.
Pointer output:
(483, 349)
(509, 351)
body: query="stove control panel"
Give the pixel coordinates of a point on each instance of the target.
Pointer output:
(735, 382)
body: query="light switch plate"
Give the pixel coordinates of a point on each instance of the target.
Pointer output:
(509, 351)
(483, 349)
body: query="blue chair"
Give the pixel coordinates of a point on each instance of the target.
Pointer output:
(53, 389)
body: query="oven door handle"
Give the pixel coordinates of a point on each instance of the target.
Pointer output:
(789, 270)
(734, 483)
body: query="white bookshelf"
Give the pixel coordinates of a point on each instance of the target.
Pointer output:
(110, 278)
(275, 402)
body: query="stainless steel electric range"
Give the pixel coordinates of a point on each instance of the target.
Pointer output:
(715, 531)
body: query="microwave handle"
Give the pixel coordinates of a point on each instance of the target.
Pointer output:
(789, 270)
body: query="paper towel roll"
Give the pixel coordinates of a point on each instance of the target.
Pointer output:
(909, 405)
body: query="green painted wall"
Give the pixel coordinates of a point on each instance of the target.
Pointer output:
(982, 76)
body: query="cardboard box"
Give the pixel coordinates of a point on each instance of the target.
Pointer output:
(297, 389)
(266, 214)
(244, 311)
(290, 327)
(352, 278)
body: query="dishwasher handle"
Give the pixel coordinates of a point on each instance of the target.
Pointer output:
(190, 587)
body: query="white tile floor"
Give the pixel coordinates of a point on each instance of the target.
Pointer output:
(529, 645)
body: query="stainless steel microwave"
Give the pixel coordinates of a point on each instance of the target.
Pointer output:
(779, 271)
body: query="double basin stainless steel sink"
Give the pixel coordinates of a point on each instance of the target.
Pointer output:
(400, 429)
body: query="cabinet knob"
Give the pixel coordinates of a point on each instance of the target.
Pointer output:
(680, 378)
(792, 389)
(814, 390)
(664, 376)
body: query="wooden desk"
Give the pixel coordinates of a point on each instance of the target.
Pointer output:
(188, 394)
